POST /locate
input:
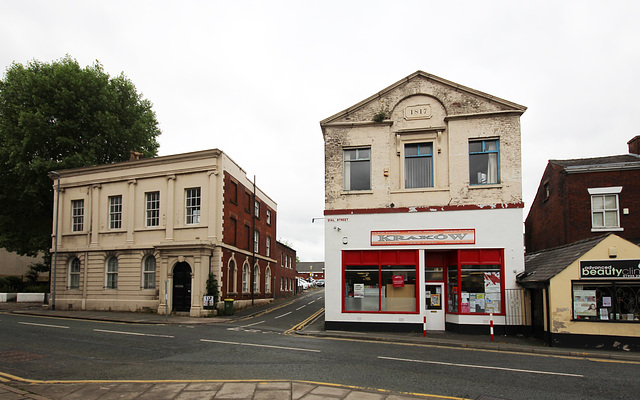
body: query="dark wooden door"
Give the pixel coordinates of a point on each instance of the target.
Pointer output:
(182, 287)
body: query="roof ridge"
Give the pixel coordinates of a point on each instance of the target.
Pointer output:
(597, 239)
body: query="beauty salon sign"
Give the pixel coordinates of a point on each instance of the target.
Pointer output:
(423, 237)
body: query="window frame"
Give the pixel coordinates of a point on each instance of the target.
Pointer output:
(246, 277)
(380, 261)
(406, 158)
(603, 192)
(268, 217)
(111, 273)
(77, 215)
(147, 281)
(268, 246)
(74, 276)
(115, 212)
(152, 209)
(347, 184)
(256, 241)
(192, 206)
(483, 152)
(616, 287)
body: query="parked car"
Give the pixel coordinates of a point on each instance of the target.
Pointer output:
(302, 283)
(320, 282)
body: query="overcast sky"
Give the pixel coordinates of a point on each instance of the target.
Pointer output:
(254, 78)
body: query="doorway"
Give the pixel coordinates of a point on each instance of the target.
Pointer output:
(434, 295)
(182, 287)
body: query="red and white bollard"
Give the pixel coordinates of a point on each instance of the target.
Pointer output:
(424, 327)
(491, 325)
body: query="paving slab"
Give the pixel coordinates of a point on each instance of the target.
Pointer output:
(236, 390)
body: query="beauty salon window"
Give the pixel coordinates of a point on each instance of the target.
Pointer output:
(606, 301)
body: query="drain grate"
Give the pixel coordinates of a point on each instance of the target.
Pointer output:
(15, 356)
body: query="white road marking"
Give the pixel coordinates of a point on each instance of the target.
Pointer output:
(255, 323)
(280, 316)
(133, 333)
(311, 302)
(483, 367)
(299, 308)
(259, 345)
(45, 325)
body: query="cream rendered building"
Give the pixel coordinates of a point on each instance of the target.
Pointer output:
(423, 208)
(145, 234)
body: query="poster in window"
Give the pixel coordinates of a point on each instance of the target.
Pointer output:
(604, 313)
(492, 282)
(398, 280)
(584, 303)
(480, 302)
(435, 300)
(358, 290)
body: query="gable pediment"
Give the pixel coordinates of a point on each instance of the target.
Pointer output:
(456, 101)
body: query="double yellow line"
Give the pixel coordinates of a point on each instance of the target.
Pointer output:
(304, 323)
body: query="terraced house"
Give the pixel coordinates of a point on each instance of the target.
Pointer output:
(145, 235)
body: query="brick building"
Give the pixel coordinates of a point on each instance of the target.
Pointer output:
(285, 279)
(135, 233)
(423, 209)
(584, 198)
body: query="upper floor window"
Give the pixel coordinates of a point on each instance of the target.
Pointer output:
(77, 218)
(256, 209)
(484, 162)
(192, 206)
(268, 217)
(418, 165)
(233, 192)
(357, 169)
(256, 241)
(152, 206)
(268, 246)
(115, 212)
(74, 273)
(605, 213)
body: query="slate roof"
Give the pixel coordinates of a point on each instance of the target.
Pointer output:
(543, 265)
(318, 266)
(585, 162)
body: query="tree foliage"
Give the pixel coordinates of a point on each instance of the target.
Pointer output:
(57, 116)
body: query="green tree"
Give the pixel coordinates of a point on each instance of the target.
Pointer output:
(58, 116)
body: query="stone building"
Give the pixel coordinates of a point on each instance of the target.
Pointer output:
(423, 209)
(146, 235)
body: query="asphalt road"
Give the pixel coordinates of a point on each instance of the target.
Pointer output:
(264, 346)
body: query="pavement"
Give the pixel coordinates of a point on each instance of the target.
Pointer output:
(15, 388)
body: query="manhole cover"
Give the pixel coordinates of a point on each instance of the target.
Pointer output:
(14, 356)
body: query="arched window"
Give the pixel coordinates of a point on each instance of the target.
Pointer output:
(112, 273)
(245, 278)
(149, 273)
(74, 273)
(256, 279)
(231, 278)
(267, 280)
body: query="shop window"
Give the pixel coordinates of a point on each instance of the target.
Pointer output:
(418, 165)
(380, 281)
(606, 301)
(484, 162)
(357, 169)
(474, 286)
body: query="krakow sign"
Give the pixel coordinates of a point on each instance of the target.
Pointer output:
(617, 269)
(423, 237)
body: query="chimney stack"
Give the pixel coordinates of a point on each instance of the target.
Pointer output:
(634, 145)
(135, 155)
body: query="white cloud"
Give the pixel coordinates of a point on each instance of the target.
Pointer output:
(254, 78)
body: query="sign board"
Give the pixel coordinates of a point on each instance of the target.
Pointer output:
(423, 237)
(610, 269)
(398, 281)
(358, 290)
(207, 301)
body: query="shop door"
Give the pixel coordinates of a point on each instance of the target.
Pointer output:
(182, 287)
(434, 297)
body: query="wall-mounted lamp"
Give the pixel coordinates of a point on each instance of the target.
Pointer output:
(345, 240)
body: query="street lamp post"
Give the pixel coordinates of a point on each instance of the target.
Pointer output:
(55, 245)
